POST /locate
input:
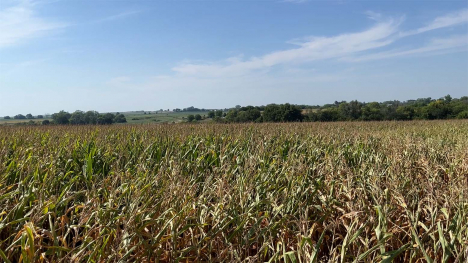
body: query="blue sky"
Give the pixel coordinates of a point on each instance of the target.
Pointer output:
(146, 55)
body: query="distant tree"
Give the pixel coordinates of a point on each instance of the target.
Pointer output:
(438, 109)
(463, 115)
(198, 117)
(351, 110)
(282, 113)
(406, 112)
(371, 112)
(45, 122)
(29, 116)
(190, 118)
(78, 118)
(272, 113)
(448, 98)
(40, 117)
(332, 114)
(291, 113)
(211, 114)
(20, 117)
(219, 113)
(61, 117)
(244, 114)
(389, 110)
(7, 117)
(91, 117)
(120, 118)
(238, 106)
(231, 116)
(106, 119)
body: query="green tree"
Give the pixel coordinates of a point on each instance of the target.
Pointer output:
(40, 116)
(105, 119)
(190, 118)
(282, 113)
(405, 112)
(463, 115)
(29, 116)
(436, 110)
(231, 116)
(351, 110)
(448, 98)
(219, 113)
(291, 113)
(211, 114)
(7, 117)
(78, 118)
(20, 117)
(91, 117)
(331, 114)
(198, 117)
(272, 113)
(120, 118)
(45, 122)
(61, 117)
(371, 112)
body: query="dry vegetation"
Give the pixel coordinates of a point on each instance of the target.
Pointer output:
(338, 192)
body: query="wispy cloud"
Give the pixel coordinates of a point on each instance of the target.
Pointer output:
(373, 15)
(119, 16)
(314, 48)
(356, 46)
(20, 22)
(453, 43)
(452, 19)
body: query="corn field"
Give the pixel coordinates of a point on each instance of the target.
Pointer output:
(304, 192)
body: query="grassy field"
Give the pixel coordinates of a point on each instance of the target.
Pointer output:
(16, 121)
(160, 117)
(132, 117)
(304, 192)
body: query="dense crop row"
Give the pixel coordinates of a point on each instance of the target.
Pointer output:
(338, 192)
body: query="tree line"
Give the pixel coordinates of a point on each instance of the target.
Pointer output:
(89, 117)
(420, 109)
(22, 117)
(76, 118)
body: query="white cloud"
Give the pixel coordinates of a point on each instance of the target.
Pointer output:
(435, 45)
(452, 19)
(315, 48)
(350, 47)
(373, 15)
(20, 22)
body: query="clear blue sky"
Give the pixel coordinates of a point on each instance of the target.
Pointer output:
(146, 55)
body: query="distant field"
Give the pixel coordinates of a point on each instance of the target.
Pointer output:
(13, 121)
(134, 117)
(298, 192)
(162, 117)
